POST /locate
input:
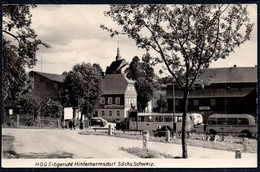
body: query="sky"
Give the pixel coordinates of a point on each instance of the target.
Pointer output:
(75, 36)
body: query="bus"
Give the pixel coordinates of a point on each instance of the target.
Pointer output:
(153, 121)
(232, 124)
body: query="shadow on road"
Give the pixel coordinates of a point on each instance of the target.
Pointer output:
(9, 152)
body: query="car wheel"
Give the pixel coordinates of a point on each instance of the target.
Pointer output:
(212, 132)
(246, 133)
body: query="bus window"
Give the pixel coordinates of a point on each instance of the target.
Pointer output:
(141, 118)
(232, 121)
(148, 119)
(212, 121)
(179, 119)
(243, 121)
(221, 121)
(151, 119)
(158, 119)
(168, 119)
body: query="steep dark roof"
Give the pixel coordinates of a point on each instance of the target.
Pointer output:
(115, 84)
(52, 77)
(231, 75)
(116, 66)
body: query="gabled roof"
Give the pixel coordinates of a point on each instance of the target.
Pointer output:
(52, 77)
(231, 75)
(116, 66)
(115, 84)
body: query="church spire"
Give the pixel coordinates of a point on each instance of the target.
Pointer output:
(118, 53)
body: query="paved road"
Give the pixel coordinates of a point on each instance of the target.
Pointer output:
(54, 141)
(93, 146)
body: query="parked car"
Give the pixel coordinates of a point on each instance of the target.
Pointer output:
(121, 125)
(98, 121)
(196, 118)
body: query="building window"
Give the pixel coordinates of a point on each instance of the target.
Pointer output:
(196, 102)
(226, 101)
(110, 100)
(103, 113)
(102, 100)
(110, 113)
(117, 100)
(238, 102)
(118, 113)
(212, 102)
(176, 102)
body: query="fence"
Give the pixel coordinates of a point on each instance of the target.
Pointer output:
(30, 121)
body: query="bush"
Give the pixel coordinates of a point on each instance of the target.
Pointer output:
(51, 108)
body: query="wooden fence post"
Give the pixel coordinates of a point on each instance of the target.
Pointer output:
(245, 144)
(145, 139)
(168, 136)
(238, 154)
(110, 130)
(39, 121)
(17, 120)
(58, 122)
(222, 138)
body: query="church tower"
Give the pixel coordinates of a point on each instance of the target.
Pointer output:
(116, 66)
(118, 53)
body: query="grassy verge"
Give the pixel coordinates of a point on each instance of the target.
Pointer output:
(230, 143)
(146, 153)
(8, 147)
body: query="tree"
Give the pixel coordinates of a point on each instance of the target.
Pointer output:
(161, 105)
(19, 48)
(143, 74)
(99, 69)
(28, 104)
(82, 88)
(187, 38)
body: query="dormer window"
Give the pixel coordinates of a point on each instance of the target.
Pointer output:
(117, 100)
(102, 100)
(110, 101)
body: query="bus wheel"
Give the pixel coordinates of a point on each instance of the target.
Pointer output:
(212, 132)
(246, 133)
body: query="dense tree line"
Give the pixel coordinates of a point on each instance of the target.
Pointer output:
(19, 47)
